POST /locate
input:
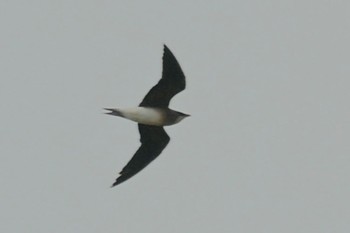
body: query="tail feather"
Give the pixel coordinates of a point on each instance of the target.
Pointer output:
(113, 111)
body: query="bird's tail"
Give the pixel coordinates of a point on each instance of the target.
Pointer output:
(113, 111)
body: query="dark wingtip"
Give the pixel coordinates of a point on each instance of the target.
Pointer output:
(119, 180)
(115, 183)
(166, 49)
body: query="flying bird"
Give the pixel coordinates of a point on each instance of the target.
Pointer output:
(151, 115)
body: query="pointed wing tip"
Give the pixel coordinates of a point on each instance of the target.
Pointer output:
(114, 184)
(166, 49)
(121, 179)
(117, 181)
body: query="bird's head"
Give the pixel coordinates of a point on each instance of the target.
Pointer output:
(181, 116)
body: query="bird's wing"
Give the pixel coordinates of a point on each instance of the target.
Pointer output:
(153, 140)
(172, 82)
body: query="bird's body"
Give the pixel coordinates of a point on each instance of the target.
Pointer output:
(149, 115)
(152, 114)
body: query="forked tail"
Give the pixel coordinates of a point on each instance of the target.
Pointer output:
(113, 111)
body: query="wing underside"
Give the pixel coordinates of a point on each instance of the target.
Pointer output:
(153, 140)
(172, 82)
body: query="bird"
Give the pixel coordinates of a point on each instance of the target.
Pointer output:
(152, 114)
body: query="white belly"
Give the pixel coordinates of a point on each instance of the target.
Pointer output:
(143, 115)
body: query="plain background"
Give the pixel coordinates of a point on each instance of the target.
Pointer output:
(265, 150)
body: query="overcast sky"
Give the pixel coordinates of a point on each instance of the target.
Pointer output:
(266, 149)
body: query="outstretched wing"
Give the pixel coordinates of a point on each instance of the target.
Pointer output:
(172, 82)
(153, 140)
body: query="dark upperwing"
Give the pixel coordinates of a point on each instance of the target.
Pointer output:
(153, 140)
(172, 82)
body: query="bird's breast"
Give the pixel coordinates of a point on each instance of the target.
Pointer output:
(144, 115)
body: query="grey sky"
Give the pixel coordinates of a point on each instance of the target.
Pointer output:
(265, 150)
